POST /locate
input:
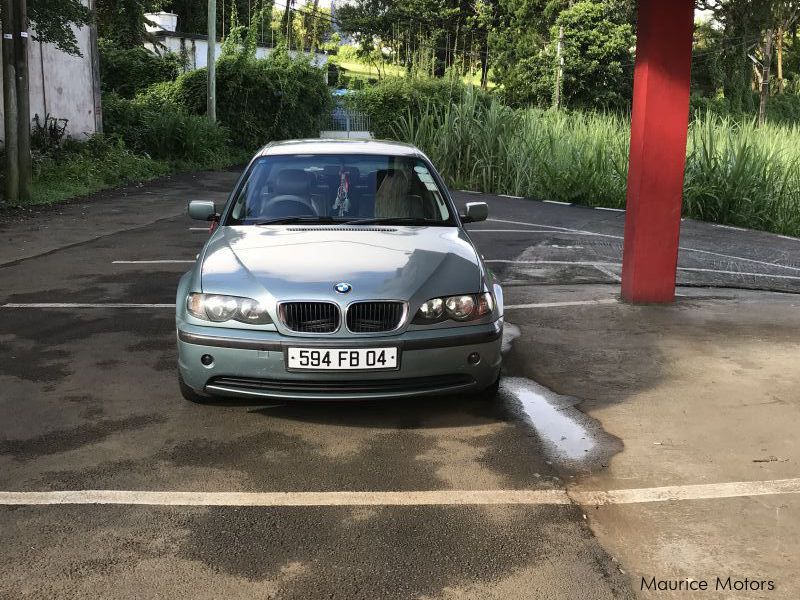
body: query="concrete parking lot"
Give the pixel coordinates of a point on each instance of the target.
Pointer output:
(629, 442)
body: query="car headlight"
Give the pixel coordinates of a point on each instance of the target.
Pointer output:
(465, 307)
(431, 310)
(219, 308)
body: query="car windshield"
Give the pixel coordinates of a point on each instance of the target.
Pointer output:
(329, 188)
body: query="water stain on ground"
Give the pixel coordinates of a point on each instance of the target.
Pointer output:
(571, 440)
(56, 442)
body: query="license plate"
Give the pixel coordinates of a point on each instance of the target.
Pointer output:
(341, 359)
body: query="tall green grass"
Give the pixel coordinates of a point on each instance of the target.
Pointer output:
(736, 173)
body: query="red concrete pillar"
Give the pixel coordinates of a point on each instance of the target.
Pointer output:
(658, 149)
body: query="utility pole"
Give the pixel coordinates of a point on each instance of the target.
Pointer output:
(559, 69)
(11, 192)
(762, 105)
(20, 21)
(780, 60)
(211, 60)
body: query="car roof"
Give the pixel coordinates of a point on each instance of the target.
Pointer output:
(331, 146)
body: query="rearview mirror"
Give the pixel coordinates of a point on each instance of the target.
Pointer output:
(202, 210)
(475, 211)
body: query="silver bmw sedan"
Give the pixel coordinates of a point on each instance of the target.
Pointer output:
(338, 270)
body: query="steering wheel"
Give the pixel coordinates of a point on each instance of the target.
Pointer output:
(288, 205)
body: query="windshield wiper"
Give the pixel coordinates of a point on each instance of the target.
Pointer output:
(290, 220)
(395, 221)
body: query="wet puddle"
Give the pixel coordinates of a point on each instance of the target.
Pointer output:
(569, 437)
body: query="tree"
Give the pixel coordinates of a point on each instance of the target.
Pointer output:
(598, 63)
(123, 21)
(425, 36)
(52, 22)
(743, 23)
(597, 41)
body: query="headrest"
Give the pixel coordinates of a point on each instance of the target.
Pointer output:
(294, 182)
(396, 174)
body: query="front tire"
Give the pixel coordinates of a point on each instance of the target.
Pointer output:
(189, 394)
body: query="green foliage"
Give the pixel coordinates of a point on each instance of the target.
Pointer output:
(164, 131)
(598, 64)
(424, 36)
(259, 100)
(522, 29)
(742, 175)
(394, 96)
(782, 108)
(128, 71)
(598, 69)
(80, 168)
(347, 52)
(122, 21)
(735, 173)
(53, 22)
(708, 68)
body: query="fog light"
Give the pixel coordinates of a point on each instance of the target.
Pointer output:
(207, 360)
(474, 358)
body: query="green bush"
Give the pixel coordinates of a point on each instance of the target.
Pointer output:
(782, 109)
(80, 168)
(275, 98)
(395, 96)
(128, 71)
(164, 131)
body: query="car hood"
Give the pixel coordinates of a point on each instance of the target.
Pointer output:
(305, 262)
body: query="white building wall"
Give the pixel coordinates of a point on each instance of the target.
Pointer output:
(62, 85)
(196, 50)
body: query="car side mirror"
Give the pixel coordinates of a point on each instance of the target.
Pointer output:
(475, 211)
(203, 210)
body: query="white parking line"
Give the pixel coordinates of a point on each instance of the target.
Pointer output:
(723, 272)
(510, 196)
(82, 305)
(609, 272)
(510, 231)
(554, 227)
(709, 491)
(619, 237)
(557, 202)
(720, 226)
(583, 263)
(470, 192)
(609, 209)
(151, 262)
(600, 265)
(560, 304)
(410, 498)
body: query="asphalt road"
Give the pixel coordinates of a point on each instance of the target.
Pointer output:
(89, 401)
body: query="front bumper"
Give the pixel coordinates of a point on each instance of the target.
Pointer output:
(251, 364)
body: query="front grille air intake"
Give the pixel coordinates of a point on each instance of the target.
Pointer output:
(374, 317)
(310, 317)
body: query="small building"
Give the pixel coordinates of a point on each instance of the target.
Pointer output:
(194, 47)
(64, 86)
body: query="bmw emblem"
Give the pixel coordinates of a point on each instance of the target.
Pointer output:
(343, 288)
